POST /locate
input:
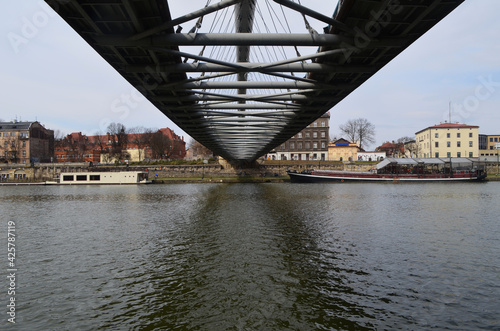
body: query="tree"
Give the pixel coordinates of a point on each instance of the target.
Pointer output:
(359, 130)
(141, 137)
(404, 140)
(161, 145)
(410, 146)
(119, 140)
(198, 151)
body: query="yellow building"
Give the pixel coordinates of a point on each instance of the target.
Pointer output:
(448, 140)
(342, 150)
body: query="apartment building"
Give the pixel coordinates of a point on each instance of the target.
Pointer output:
(309, 144)
(25, 142)
(448, 140)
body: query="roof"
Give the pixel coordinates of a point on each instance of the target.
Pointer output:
(449, 126)
(15, 125)
(406, 161)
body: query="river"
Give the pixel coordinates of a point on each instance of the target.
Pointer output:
(273, 256)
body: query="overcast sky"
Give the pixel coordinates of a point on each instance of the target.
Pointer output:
(51, 75)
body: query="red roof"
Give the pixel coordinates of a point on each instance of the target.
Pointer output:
(450, 126)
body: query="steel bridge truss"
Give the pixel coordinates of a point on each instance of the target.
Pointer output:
(243, 99)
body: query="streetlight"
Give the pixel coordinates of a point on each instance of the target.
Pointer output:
(497, 147)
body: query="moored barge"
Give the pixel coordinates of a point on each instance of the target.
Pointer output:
(401, 170)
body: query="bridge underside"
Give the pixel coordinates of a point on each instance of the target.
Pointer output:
(242, 80)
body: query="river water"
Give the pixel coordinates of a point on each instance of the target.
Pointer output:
(254, 257)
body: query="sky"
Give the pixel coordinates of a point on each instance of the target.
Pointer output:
(49, 74)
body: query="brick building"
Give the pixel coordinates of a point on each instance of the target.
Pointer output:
(25, 142)
(162, 144)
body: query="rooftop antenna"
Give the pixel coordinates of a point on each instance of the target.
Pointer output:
(449, 111)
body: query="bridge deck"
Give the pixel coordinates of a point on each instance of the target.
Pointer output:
(231, 105)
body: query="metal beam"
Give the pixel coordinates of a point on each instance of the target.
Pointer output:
(315, 14)
(224, 39)
(199, 13)
(255, 85)
(247, 67)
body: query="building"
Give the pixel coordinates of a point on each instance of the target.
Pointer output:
(392, 149)
(371, 156)
(25, 142)
(410, 149)
(343, 150)
(309, 144)
(109, 148)
(448, 140)
(488, 145)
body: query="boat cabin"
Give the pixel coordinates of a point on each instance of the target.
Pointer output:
(121, 177)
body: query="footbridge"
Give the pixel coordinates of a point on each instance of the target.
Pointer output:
(243, 76)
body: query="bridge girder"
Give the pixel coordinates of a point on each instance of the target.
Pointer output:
(243, 107)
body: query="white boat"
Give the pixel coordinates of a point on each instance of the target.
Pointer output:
(102, 178)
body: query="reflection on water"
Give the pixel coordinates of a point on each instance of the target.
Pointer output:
(257, 256)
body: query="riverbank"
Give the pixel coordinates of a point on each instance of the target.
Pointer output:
(267, 172)
(208, 180)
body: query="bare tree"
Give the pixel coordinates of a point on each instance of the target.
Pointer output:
(141, 137)
(410, 146)
(161, 145)
(359, 129)
(404, 140)
(119, 140)
(199, 151)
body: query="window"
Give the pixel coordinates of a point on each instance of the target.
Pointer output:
(437, 154)
(323, 134)
(471, 154)
(300, 146)
(458, 143)
(436, 135)
(470, 143)
(315, 145)
(323, 145)
(323, 124)
(24, 153)
(448, 135)
(448, 154)
(458, 134)
(448, 144)
(436, 144)
(308, 145)
(299, 135)
(307, 135)
(459, 154)
(13, 143)
(470, 134)
(24, 143)
(315, 124)
(95, 177)
(496, 139)
(292, 145)
(81, 177)
(315, 135)
(68, 178)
